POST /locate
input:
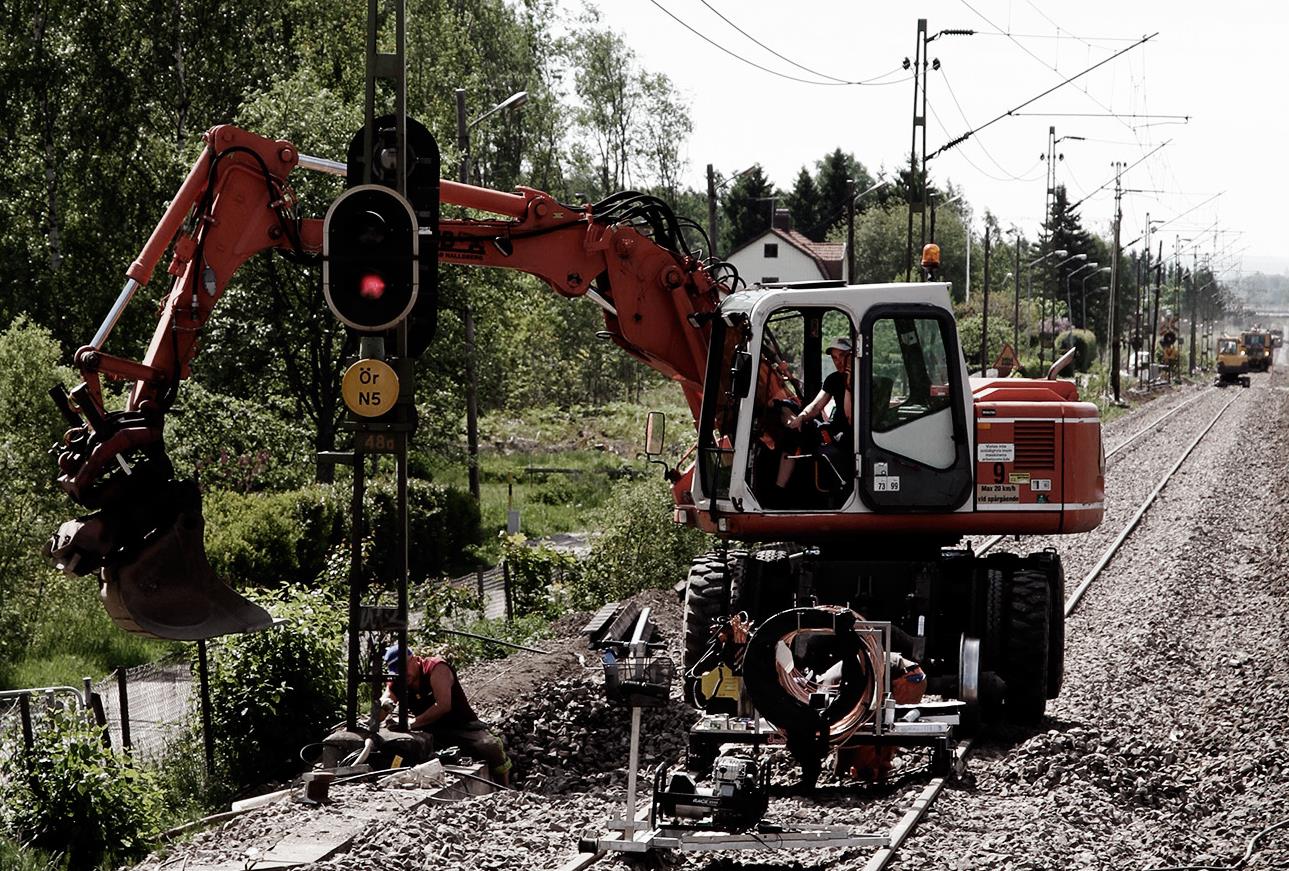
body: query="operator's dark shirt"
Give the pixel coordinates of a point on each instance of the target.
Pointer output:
(422, 697)
(835, 386)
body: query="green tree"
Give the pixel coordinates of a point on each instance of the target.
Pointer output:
(835, 169)
(803, 202)
(747, 209)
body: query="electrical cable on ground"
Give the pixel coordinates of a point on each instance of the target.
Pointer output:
(1240, 863)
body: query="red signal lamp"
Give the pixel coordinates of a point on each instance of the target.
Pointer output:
(371, 286)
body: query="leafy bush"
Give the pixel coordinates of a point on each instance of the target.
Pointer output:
(227, 443)
(443, 525)
(267, 539)
(539, 577)
(70, 793)
(30, 506)
(639, 548)
(273, 691)
(463, 651)
(1084, 343)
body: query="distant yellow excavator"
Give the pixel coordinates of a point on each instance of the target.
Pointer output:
(1232, 362)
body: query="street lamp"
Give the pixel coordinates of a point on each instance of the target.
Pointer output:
(1069, 299)
(514, 101)
(1042, 308)
(1083, 290)
(1060, 252)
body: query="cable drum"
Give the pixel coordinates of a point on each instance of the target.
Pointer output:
(811, 671)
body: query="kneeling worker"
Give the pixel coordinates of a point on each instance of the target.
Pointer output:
(437, 704)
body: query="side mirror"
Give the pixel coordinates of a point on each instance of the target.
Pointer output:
(742, 381)
(655, 433)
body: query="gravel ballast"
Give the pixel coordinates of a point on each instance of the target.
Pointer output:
(1167, 747)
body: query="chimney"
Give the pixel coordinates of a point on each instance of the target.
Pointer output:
(782, 219)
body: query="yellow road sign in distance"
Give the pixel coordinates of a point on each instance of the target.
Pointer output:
(370, 388)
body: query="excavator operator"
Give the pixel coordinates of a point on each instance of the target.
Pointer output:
(438, 705)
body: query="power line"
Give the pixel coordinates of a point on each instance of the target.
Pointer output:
(979, 144)
(718, 14)
(1120, 115)
(873, 82)
(1055, 69)
(1122, 172)
(964, 137)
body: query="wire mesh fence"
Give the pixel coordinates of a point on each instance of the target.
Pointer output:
(151, 705)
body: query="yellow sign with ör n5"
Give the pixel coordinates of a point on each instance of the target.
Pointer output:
(369, 388)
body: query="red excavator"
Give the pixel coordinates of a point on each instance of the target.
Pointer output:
(862, 515)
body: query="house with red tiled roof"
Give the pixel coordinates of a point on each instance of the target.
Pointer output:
(782, 254)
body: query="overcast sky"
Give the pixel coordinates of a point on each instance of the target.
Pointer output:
(1220, 63)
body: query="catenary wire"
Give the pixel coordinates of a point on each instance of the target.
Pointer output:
(781, 57)
(873, 82)
(951, 143)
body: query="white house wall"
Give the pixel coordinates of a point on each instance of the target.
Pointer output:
(791, 264)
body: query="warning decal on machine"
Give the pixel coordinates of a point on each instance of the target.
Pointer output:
(996, 452)
(996, 493)
(1018, 478)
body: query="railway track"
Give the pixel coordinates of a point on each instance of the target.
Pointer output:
(925, 800)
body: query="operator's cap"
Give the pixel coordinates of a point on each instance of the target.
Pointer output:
(391, 659)
(841, 343)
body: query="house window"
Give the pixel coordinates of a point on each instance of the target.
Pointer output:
(771, 249)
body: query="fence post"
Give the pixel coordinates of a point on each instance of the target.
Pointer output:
(207, 737)
(24, 708)
(123, 704)
(505, 582)
(100, 717)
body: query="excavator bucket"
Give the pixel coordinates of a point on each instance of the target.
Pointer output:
(151, 558)
(170, 591)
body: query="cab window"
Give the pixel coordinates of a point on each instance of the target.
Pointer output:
(910, 372)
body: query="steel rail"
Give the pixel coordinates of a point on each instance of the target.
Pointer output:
(901, 831)
(1072, 602)
(1150, 427)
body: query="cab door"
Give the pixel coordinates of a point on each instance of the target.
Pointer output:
(914, 445)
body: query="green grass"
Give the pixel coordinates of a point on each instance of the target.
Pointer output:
(15, 857)
(598, 447)
(74, 638)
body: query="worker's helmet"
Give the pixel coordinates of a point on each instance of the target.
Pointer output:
(391, 659)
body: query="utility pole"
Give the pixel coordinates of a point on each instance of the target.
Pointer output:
(917, 180)
(1113, 336)
(467, 322)
(850, 231)
(711, 209)
(1016, 299)
(984, 308)
(1154, 321)
(1194, 301)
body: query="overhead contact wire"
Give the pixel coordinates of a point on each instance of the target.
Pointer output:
(873, 82)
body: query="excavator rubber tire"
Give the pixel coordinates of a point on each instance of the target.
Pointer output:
(707, 597)
(1025, 644)
(1050, 564)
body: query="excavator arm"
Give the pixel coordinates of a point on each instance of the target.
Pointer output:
(144, 537)
(653, 295)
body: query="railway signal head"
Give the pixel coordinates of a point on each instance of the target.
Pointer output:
(370, 273)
